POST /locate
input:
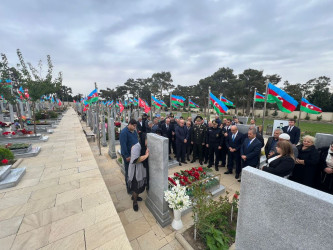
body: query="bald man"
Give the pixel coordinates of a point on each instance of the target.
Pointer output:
(234, 143)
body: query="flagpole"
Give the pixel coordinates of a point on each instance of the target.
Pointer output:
(188, 109)
(254, 101)
(170, 102)
(221, 100)
(98, 135)
(264, 111)
(208, 103)
(300, 112)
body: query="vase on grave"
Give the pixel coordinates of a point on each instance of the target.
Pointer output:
(177, 223)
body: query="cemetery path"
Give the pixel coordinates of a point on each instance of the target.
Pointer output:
(62, 201)
(141, 227)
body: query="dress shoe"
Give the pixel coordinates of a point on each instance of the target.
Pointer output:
(209, 166)
(201, 163)
(188, 159)
(206, 162)
(138, 199)
(228, 172)
(192, 161)
(135, 206)
(184, 162)
(216, 168)
(239, 180)
(237, 176)
(170, 158)
(180, 164)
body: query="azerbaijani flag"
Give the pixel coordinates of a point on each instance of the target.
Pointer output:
(156, 102)
(175, 106)
(227, 102)
(93, 96)
(193, 104)
(26, 93)
(110, 103)
(135, 101)
(307, 107)
(284, 101)
(261, 98)
(163, 103)
(218, 105)
(125, 103)
(177, 100)
(20, 90)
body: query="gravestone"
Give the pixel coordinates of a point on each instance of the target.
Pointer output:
(194, 115)
(179, 114)
(95, 123)
(276, 213)
(136, 115)
(323, 140)
(158, 178)
(28, 109)
(21, 108)
(244, 128)
(11, 113)
(104, 144)
(243, 119)
(112, 139)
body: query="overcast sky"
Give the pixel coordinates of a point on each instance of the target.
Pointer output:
(109, 41)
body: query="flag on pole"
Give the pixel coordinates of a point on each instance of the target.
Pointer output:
(193, 105)
(136, 101)
(284, 101)
(93, 96)
(163, 103)
(307, 107)
(142, 104)
(261, 98)
(218, 105)
(175, 106)
(125, 103)
(178, 100)
(26, 93)
(117, 104)
(121, 107)
(227, 102)
(156, 102)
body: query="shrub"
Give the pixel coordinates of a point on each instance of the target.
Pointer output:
(266, 113)
(239, 114)
(275, 113)
(319, 117)
(52, 114)
(5, 153)
(295, 117)
(215, 220)
(307, 117)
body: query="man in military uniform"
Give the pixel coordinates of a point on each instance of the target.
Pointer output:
(214, 143)
(198, 137)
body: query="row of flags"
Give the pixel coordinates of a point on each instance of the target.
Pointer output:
(285, 102)
(275, 95)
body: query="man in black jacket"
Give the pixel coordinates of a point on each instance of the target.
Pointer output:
(198, 138)
(234, 143)
(293, 131)
(214, 143)
(250, 150)
(189, 146)
(167, 132)
(181, 134)
(270, 148)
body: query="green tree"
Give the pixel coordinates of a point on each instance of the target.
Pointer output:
(320, 94)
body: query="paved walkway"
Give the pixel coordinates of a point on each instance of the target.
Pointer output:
(62, 201)
(141, 228)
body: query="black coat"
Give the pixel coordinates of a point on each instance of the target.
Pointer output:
(294, 134)
(214, 136)
(166, 132)
(325, 181)
(237, 143)
(281, 166)
(305, 174)
(181, 134)
(268, 145)
(251, 152)
(198, 134)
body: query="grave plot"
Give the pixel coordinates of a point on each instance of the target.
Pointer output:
(10, 177)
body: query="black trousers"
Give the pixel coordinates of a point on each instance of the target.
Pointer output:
(197, 152)
(205, 152)
(181, 151)
(213, 149)
(223, 155)
(234, 156)
(189, 148)
(174, 148)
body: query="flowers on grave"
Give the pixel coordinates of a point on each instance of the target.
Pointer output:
(5, 124)
(117, 124)
(4, 161)
(8, 133)
(177, 197)
(13, 133)
(187, 177)
(25, 132)
(236, 196)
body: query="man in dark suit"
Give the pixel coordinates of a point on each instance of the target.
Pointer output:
(250, 150)
(214, 143)
(189, 146)
(139, 128)
(293, 131)
(224, 151)
(167, 132)
(270, 148)
(234, 143)
(258, 136)
(181, 134)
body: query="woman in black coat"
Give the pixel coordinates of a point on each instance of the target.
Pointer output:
(306, 163)
(283, 164)
(326, 168)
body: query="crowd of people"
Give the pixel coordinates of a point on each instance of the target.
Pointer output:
(220, 144)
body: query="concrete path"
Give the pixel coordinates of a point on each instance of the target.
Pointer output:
(62, 201)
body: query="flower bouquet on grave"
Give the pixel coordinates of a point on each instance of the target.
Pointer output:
(25, 132)
(117, 124)
(8, 133)
(201, 175)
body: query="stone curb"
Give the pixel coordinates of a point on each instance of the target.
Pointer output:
(17, 163)
(183, 242)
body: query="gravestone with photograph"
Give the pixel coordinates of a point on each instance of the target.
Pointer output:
(323, 140)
